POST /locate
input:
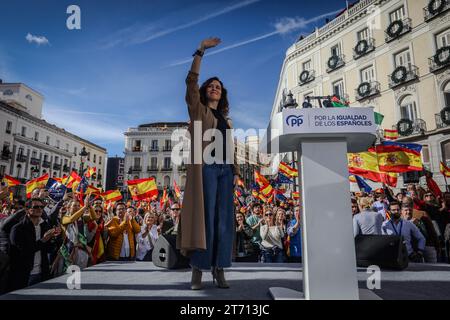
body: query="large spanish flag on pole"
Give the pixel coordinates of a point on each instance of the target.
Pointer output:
(287, 170)
(10, 181)
(399, 157)
(111, 195)
(142, 189)
(40, 182)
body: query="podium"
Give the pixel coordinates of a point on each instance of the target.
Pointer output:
(322, 138)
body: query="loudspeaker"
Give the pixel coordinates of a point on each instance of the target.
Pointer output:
(166, 255)
(384, 251)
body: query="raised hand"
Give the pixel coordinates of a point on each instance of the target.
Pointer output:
(209, 43)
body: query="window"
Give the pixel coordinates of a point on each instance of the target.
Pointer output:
(167, 162)
(100, 160)
(403, 59)
(447, 95)
(8, 127)
(47, 140)
(154, 162)
(398, 14)
(154, 144)
(36, 136)
(66, 162)
(408, 109)
(56, 159)
(75, 151)
(137, 162)
(443, 39)
(95, 158)
(67, 147)
(336, 50)
(46, 157)
(6, 147)
(166, 181)
(34, 154)
(168, 144)
(57, 143)
(8, 92)
(21, 150)
(29, 97)
(307, 65)
(338, 88)
(363, 34)
(368, 74)
(24, 131)
(426, 155)
(446, 152)
(89, 156)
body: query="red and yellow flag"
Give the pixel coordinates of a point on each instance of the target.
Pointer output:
(176, 189)
(36, 183)
(399, 157)
(296, 195)
(93, 190)
(163, 199)
(260, 179)
(365, 165)
(142, 189)
(390, 134)
(287, 170)
(90, 171)
(111, 195)
(10, 181)
(444, 170)
(73, 177)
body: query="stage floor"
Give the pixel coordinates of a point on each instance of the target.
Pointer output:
(142, 280)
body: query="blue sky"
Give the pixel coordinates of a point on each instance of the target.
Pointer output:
(127, 64)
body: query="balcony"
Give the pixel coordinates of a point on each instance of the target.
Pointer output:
(335, 62)
(407, 127)
(397, 29)
(166, 168)
(152, 168)
(56, 166)
(306, 77)
(182, 168)
(21, 158)
(367, 90)
(154, 149)
(441, 60)
(403, 75)
(66, 169)
(167, 148)
(6, 155)
(435, 9)
(46, 164)
(135, 169)
(443, 118)
(35, 161)
(363, 47)
(137, 149)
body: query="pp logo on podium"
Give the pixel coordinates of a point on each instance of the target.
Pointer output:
(294, 121)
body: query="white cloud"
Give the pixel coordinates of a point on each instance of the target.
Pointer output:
(39, 40)
(137, 34)
(284, 26)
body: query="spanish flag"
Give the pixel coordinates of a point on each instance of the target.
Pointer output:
(10, 181)
(90, 171)
(260, 179)
(266, 190)
(40, 182)
(287, 170)
(390, 134)
(399, 157)
(68, 182)
(163, 199)
(365, 165)
(352, 179)
(141, 189)
(444, 170)
(176, 189)
(93, 190)
(240, 183)
(296, 195)
(111, 195)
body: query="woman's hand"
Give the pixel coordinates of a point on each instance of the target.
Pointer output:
(235, 180)
(209, 43)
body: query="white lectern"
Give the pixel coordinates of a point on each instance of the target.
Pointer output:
(322, 138)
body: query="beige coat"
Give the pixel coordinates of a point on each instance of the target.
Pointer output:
(191, 234)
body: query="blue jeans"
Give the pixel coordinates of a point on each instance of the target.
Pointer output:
(274, 255)
(219, 218)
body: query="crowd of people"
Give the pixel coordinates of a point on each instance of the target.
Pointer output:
(416, 214)
(41, 238)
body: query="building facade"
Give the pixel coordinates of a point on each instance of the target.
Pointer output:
(148, 153)
(115, 173)
(392, 55)
(32, 147)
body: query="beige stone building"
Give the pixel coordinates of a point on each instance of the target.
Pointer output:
(392, 55)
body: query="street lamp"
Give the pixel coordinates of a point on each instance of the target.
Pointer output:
(291, 103)
(83, 154)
